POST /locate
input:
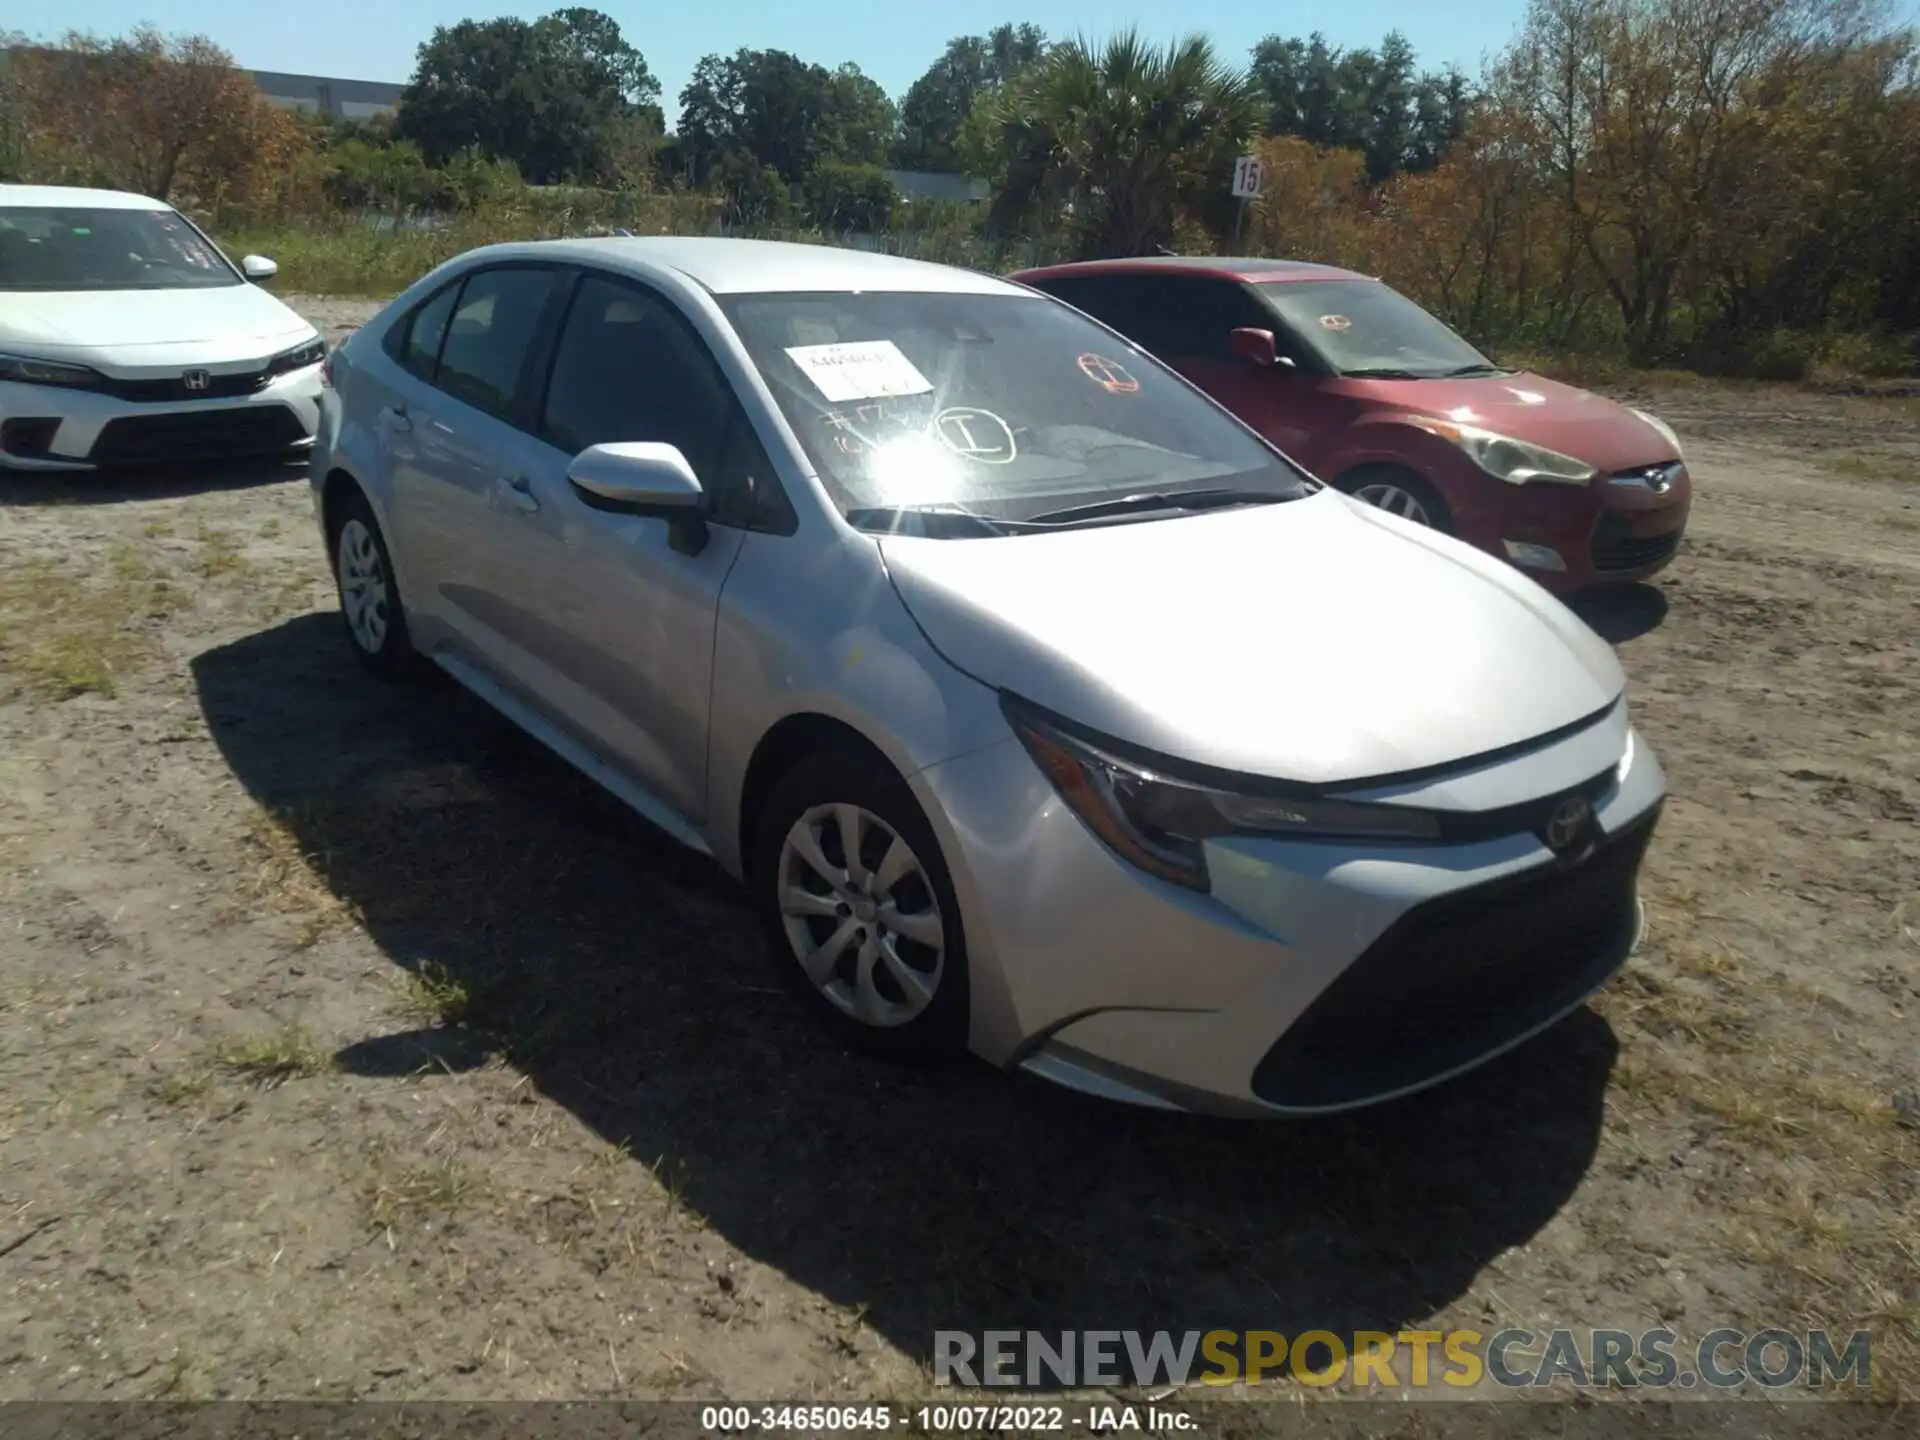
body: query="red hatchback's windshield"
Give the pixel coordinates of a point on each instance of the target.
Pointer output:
(1361, 327)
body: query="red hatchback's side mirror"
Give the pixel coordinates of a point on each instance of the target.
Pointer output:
(1256, 347)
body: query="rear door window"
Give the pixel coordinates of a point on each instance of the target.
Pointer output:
(420, 335)
(489, 334)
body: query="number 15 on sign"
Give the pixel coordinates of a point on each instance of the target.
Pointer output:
(1248, 176)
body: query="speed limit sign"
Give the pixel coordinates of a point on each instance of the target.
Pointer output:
(1248, 176)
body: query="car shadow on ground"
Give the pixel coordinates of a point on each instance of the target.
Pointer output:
(146, 482)
(1623, 612)
(624, 976)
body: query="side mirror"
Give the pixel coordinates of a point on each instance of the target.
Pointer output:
(1256, 347)
(642, 477)
(258, 267)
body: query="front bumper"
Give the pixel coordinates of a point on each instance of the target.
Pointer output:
(1314, 978)
(1619, 530)
(57, 428)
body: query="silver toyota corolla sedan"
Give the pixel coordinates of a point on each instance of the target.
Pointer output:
(1042, 707)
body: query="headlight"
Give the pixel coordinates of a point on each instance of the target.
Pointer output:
(1158, 823)
(27, 371)
(1665, 430)
(300, 357)
(1515, 461)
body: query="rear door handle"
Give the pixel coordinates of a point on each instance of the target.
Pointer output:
(395, 418)
(519, 492)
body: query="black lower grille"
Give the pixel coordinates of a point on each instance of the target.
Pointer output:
(1459, 976)
(1616, 547)
(28, 436)
(197, 435)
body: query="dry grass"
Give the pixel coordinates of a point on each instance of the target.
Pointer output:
(432, 995)
(1874, 465)
(272, 1060)
(219, 553)
(283, 879)
(398, 1197)
(183, 1087)
(67, 630)
(1824, 1196)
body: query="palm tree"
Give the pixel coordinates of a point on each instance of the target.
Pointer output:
(1122, 142)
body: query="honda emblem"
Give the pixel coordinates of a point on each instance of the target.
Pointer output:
(196, 380)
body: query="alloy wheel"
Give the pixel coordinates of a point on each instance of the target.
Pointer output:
(1395, 501)
(363, 586)
(860, 915)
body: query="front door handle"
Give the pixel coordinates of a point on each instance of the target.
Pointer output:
(519, 492)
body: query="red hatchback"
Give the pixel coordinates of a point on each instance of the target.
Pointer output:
(1368, 391)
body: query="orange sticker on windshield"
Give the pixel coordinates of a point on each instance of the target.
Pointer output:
(1335, 322)
(1109, 375)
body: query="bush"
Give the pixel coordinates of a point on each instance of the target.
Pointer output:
(856, 198)
(1873, 356)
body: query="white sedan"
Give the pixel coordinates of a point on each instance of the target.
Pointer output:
(128, 338)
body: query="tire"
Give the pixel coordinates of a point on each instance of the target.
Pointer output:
(1402, 487)
(370, 608)
(886, 1014)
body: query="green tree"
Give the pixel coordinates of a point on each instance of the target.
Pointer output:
(559, 97)
(1373, 101)
(788, 115)
(1125, 144)
(936, 105)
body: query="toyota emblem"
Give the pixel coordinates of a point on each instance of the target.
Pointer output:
(1568, 823)
(196, 379)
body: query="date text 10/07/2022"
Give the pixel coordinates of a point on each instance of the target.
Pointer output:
(1095, 1419)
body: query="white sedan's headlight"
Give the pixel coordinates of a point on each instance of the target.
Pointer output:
(299, 358)
(1158, 823)
(25, 370)
(1518, 462)
(1665, 430)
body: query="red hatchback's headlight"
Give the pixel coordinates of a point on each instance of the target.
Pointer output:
(1518, 462)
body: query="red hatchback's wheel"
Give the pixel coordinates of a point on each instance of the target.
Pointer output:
(1399, 492)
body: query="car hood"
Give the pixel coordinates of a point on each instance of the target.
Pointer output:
(1319, 640)
(132, 329)
(1589, 427)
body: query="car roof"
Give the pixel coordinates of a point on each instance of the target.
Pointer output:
(74, 197)
(743, 267)
(1212, 267)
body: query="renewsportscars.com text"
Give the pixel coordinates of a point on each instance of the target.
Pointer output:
(1720, 1360)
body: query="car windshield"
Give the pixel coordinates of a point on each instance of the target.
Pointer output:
(55, 249)
(1005, 406)
(1363, 327)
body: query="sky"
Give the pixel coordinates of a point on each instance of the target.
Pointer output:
(376, 39)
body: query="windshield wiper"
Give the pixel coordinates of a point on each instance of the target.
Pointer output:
(1383, 372)
(933, 520)
(1480, 369)
(1151, 500)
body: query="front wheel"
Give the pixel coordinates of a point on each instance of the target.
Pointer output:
(1399, 492)
(859, 909)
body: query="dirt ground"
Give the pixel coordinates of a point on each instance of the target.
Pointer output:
(350, 1046)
